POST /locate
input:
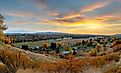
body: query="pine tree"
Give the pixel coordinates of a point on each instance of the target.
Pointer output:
(2, 27)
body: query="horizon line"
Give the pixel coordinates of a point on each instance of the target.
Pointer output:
(32, 32)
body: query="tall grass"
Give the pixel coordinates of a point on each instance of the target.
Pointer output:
(18, 61)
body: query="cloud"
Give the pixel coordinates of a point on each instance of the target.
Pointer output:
(67, 22)
(110, 18)
(20, 22)
(21, 14)
(65, 19)
(94, 6)
(72, 14)
(54, 13)
(78, 19)
(75, 17)
(41, 3)
(105, 17)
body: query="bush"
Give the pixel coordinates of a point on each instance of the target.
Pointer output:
(92, 52)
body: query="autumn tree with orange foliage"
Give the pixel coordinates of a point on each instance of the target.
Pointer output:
(45, 45)
(8, 40)
(92, 52)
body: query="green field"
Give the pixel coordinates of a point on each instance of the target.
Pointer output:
(39, 43)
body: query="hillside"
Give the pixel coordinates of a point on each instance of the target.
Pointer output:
(15, 60)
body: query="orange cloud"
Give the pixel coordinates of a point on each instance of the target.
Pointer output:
(76, 18)
(93, 22)
(109, 19)
(94, 6)
(72, 19)
(72, 15)
(67, 19)
(105, 17)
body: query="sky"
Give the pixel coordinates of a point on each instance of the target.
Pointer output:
(69, 16)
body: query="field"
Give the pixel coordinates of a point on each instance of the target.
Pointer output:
(40, 43)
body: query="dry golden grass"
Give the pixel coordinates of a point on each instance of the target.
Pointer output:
(16, 59)
(20, 61)
(26, 71)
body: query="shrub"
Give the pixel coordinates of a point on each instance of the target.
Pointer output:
(92, 52)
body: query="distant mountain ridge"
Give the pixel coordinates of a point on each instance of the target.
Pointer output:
(36, 33)
(117, 35)
(7, 33)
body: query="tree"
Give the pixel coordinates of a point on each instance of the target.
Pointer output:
(25, 47)
(83, 42)
(53, 46)
(2, 27)
(92, 52)
(8, 40)
(45, 45)
(67, 47)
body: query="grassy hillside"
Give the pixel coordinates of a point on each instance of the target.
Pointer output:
(15, 60)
